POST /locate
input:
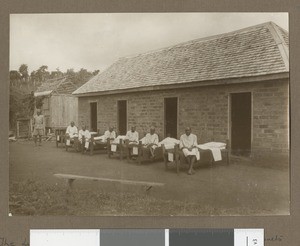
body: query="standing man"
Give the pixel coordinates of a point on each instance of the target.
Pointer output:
(38, 123)
(188, 145)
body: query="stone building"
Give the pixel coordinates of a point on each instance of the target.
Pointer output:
(231, 86)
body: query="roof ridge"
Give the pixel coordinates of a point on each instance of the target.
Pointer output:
(198, 40)
(280, 42)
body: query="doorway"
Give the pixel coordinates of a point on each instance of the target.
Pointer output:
(171, 109)
(93, 110)
(122, 117)
(241, 118)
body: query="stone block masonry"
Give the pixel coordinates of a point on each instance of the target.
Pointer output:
(206, 109)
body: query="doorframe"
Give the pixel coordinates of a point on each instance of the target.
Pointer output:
(164, 113)
(229, 114)
(118, 100)
(90, 113)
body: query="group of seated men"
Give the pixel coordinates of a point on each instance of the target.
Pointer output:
(188, 141)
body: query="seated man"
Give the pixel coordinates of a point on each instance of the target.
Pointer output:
(71, 133)
(151, 141)
(84, 133)
(133, 138)
(188, 145)
(108, 134)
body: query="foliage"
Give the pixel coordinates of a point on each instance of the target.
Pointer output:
(23, 70)
(23, 85)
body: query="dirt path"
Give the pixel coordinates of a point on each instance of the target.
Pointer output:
(263, 190)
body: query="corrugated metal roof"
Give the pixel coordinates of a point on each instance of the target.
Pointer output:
(58, 85)
(252, 51)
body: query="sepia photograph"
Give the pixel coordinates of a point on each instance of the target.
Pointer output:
(149, 114)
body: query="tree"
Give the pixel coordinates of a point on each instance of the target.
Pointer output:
(42, 73)
(96, 72)
(14, 75)
(23, 70)
(56, 74)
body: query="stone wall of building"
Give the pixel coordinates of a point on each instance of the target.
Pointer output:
(206, 109)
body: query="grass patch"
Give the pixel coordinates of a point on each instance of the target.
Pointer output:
(36, 198)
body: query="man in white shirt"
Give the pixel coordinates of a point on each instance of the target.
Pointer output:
(188, 145)
(151, 140)
(71, 134)
(133, 138)
(84, 133)
(132, 135)
(109, 134)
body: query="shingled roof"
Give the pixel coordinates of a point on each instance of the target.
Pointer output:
(253, 51)
(57, 85)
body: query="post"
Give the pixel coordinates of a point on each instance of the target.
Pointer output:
(18, 129)
(164, 156)
(121, 149)
(140, 152)
(227, 151)
(29, 128)
(127, 148)
(176, 155)
(57, 135)
(92, 145)
(109, 149)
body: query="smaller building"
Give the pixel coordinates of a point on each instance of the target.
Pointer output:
(58, 104)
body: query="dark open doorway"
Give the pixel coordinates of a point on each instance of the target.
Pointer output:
(241, 123)
(93, 108)
(171, 105)
(122, 117)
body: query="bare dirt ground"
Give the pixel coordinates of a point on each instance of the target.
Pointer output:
(237, 189)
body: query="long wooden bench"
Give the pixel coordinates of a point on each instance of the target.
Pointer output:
(71, 178)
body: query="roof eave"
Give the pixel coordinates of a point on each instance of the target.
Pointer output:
(237, 80)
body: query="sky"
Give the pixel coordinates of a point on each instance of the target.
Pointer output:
(95, 41)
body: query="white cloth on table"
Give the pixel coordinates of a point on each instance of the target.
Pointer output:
(187, 142)
(215, 148)
(102, 138)
(107, 135)
(219, 145)
(117, 139)
(132, 136)
(72, 131)
(135, 151)
(168, 142)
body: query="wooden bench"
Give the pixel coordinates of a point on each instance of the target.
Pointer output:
(207, 157)
(143, 153)
(71, 178)
(175, 154)
(120, 149)
(99, 146)
(60, 135)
